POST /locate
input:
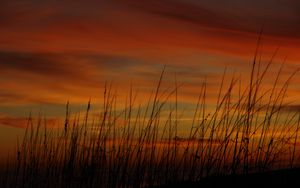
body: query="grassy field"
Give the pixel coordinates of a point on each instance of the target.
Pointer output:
(248, 131)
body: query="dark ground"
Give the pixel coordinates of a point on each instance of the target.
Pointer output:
(279, 178)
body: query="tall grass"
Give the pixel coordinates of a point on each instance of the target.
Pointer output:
(249, 130)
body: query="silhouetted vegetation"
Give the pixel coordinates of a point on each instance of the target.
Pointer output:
(248, 131)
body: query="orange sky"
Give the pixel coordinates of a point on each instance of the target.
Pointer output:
(52, 51)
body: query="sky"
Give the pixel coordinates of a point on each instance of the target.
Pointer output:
(54, 51)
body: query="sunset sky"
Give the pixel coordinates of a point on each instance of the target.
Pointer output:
(52, 52)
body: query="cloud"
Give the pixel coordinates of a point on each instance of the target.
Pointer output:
(292, 108)
(147, 29)
(46, 64)
(62, 65)
(38, 76)
(280, 17)
(183, 11)
(21, 122)
(7, 96)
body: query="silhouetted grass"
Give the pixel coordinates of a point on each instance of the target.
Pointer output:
(247, 131)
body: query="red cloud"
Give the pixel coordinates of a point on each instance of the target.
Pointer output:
(21, 122)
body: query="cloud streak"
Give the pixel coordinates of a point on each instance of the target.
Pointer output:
(280, 17)
(20, 122)
(57, 76)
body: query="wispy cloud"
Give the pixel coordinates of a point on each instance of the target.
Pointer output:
(280, 17)
(292, 108)
(56, 76)
(21, 122)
